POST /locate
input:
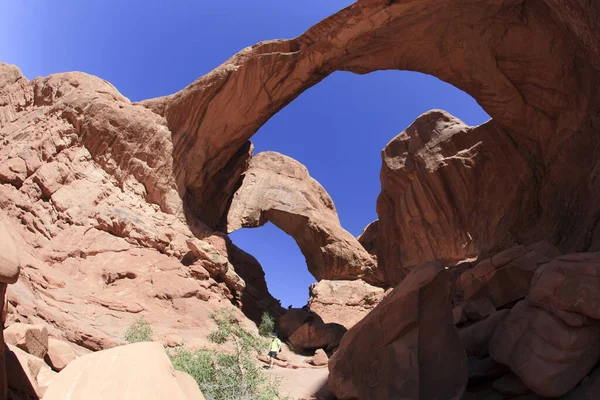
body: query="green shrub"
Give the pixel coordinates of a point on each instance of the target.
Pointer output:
(224, 375)
(139, 331)
(267, 324)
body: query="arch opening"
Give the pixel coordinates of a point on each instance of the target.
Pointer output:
(284, 265)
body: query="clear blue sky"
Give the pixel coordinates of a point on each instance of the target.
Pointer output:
(152, 48)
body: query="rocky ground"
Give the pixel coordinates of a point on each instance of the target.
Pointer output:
(479, 280)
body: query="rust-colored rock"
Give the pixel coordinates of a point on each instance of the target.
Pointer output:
(293, 319)
(434, 176)
(475, 338)
(59, 355)
(32, 339)
(316, 335)
(569, 287)
(368, 238)
(27, 375)
(536, 81)
(506, 276)
(320, 358)
(279, 189)
(549, 356)
(407, 347)
(343, 302)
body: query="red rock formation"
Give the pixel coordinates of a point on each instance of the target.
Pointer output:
(505, 277)
(279, 189)
(407, 347)
(343, 302)
(531, 65)
(549, 356)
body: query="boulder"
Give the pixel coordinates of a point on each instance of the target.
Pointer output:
(549, 356)
(31, 338)
(293, 319)
(140, 370)
(279, 189)
(9, 261)
(343, 302)
(569, 287)
(320, 358)
(59, 355)
(188, 386)
(505, 277)
(476, 338)
(27, 374)
(407, 347)
(316, 335)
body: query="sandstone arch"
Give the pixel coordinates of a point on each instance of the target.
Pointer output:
(532, 65)
(279, 189)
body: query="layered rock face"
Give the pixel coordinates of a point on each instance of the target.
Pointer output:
(449, 192)
(279, 189)
(88, 196)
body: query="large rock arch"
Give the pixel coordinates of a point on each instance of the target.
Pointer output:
(532, 65)
(279, 189)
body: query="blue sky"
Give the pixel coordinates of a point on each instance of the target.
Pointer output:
(152, 48)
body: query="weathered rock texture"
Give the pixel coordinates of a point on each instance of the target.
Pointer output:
(102, 196)
(505, 277)
(549, 356)
(407, 347)
(439, 180)
(343, 302)
(531, 65)
(279, 189)
(140, 370)
(88, 196)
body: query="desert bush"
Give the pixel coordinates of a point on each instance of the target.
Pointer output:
(139, 331)
(267, 324)
(228, 375)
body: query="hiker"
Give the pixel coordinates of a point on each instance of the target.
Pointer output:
(274, 348)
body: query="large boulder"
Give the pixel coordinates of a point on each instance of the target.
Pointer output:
(549, 356)
(569, 287)
(279, 189)
(140, 370)
(343, 302)
(506, 276)
(475, 338)
(407, 347)
(60, 354)
(31, 338)
(293, 319)
(316, 335)
(27, 375)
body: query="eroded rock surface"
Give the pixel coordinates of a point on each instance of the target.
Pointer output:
(549, 356)
(279, 189)
(343, 302)
(505, 277)
(140, 370)
(407, 347)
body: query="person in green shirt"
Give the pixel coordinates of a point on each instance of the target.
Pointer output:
(274, 348)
